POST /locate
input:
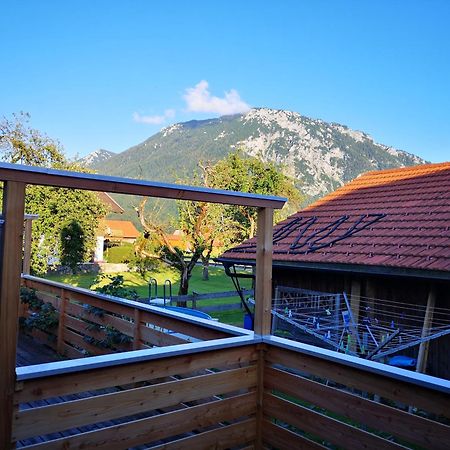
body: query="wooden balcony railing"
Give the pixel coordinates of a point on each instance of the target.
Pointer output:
(316, 396)
(243, 392)
(16, 177)
(195, 396)
(94, 324)
(251, 390)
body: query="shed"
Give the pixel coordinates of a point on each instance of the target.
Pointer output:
(384, 240)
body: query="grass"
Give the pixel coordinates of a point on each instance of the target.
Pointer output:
(119, 254)
(218, 282)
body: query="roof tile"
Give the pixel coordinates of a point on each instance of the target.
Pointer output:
(413, 231)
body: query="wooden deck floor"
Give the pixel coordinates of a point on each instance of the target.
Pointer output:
(30, 352)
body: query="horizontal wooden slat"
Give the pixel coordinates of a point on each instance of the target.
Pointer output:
(281, 438)
(52, 386)
(158, 427)
(409, 394)
(221, 438)
(83, 328)
(49, 419)
(44, 337)
(41, 287)
(71, 353)
(324, 427)
(72, 338)
(108, 306)
(159, 338)
(48, 298)
(187, 328)
(124, 326)
(410, 427)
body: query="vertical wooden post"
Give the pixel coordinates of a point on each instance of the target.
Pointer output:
(137, 330)
(263, 288)
(27, 246)
(422, 357)
(62, 313)
(11, 254)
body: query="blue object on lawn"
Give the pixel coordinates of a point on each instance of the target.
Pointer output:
(248, 322)
(402, 361)
(189, 311)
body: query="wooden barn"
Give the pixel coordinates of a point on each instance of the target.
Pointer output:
(129, 375)
(369, 262)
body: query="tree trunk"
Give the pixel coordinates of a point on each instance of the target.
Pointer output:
(184, 285)
(205, 271)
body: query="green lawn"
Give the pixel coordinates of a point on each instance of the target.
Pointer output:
(218, 282)
(119, 254)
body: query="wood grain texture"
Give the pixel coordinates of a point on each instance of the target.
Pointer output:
(263, 289)
(324, 427)
(158, 427)
(283, 439)
(58, 385)
(396, 390)
(411, 428)
(11, 254)
(124, 326)
(159, 338)
(52, 418)
(179, 326)
(222, 438)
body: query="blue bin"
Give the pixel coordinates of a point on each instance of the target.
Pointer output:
(403, 361)
(248, 322)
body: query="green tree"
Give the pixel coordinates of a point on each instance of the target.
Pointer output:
(19, 143)
(73, 244)
(248, 174)
(205, 225)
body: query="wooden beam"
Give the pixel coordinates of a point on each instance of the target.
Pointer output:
(263, 289)
(11, 252)
(422, 357)
(92, 182)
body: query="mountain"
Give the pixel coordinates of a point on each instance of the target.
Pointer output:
(320, 155)
(97, 158)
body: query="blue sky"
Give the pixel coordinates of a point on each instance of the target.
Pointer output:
(109, 74)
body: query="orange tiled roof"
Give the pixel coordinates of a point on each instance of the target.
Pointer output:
(121, 229)
(393, 218)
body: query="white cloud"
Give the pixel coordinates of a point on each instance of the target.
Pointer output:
(154, 120)
(199, 99)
